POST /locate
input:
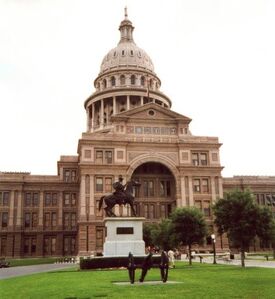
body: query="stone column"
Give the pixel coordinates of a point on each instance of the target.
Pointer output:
(102, 113)
(82, 199)
(128, 103)
(213, 191)
(11, 210)
(183, 192)
(191, 198)
(19, 209)
(92, 198)
(220, 188)
(88, 119)
(114, 105)
(141, 101)
(60, 210)
(40, 214)
(93, 117)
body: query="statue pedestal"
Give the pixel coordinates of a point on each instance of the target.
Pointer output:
(124, 235)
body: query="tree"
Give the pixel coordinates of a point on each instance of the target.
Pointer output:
(188, 227)
(158, 234)
(242, 219)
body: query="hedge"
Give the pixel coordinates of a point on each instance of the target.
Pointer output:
(113, 262)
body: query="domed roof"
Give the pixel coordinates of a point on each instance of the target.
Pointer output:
(127, 54)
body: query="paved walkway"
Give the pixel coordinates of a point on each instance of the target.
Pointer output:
(248, 262)
(26, 270)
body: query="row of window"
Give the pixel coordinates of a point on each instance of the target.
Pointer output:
(265, 199)
(122, 81)
(50, 199)
(50, 219)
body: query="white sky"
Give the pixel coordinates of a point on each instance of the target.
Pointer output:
(216, 60)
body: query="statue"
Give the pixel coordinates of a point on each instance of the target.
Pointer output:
(123, 195)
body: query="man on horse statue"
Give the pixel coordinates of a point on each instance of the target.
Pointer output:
(119, 193)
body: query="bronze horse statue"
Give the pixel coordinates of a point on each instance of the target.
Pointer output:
(111, 199)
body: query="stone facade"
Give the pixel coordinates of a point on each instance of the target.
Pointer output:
(132, 132)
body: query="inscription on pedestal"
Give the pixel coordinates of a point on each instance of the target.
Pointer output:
(125, 230)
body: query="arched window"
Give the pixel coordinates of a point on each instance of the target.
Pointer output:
(151, 83)
(122, 80)
(113, 81)
(104, 83)
(142, 81)
(133, 79)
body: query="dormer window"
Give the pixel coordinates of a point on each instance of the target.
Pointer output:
(104, 83)
(113, 81)
(123, 53)
(142, 81)
(133, 79)
(132, 53)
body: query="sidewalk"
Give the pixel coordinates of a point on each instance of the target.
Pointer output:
(235, 262)
(27, 270)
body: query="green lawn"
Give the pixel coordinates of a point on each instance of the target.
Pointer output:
(198, 281)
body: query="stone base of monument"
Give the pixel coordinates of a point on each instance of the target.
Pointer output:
(124, 235)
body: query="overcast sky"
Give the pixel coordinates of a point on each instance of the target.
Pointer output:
(216, 61)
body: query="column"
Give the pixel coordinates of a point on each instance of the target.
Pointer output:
(92, 199)
(102, 112)
(88, 119)
(19, 209)
(191, 198)
(183, 192)
(60, 210)
(82, 199)
(213, 191)
(93, 116)
(114, 105)
(220, 188)
(141, 101)
(11, 209)
(40, 213)
(128, 103)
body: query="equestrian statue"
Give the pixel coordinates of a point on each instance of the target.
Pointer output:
(123, 195)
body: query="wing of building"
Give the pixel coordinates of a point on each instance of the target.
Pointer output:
(131, 131)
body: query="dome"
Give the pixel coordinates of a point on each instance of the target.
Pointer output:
(127, 54)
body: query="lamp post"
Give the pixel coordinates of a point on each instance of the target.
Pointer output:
(213, 237)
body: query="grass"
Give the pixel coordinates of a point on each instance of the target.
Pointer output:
(198, 281)
(30, 261)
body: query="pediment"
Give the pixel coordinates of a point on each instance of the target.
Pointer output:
(151, 112)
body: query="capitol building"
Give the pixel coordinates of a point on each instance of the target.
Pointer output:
(131, 131)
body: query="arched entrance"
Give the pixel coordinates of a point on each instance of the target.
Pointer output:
(156, 197)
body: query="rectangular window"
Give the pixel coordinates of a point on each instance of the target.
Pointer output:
(35, 199)
(99, 157)
(54, 199)
(66, 199)
(205, 185)
(67, 175)
(73, 220)
(66, 219)
(152, 211)
(27, 220)
(99, 185)
(195, 159)
(163, 213)
(148, 188)
(48, 199)
(3, 248)
(98, 213)
(146, 211)
(47, 218)
(108, 185)
(165, 189)
(28, 199)
(53, 219)
(34, 219)
(4, 219)
(66, 245)
(108, 157)
(206, 208)
(73, 174)
(73, 197)
(6, 198)
(26, 245)
(196, 185)
(47, 246)
(53, 246)
(203, 159)
(198, 204)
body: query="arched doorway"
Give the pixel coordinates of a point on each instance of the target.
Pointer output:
(155, 198)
